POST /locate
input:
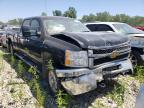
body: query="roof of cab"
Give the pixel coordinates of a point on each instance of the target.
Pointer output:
(48, 17)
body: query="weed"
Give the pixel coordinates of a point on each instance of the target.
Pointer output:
(98, 104)
(33, 71)
(12, 60)
(40, 95)
(117, 94)
(20, 68)
(14, 95)
(63, 99)
(139, 73)
(20, 94)
(36, 88)
(50, 66)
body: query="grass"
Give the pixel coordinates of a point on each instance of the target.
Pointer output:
(63, 99)
(24, 71)
(117, 94)
(1, 60)
(139, 73)
(98, 104)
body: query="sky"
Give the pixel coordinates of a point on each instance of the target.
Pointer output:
(10, 9)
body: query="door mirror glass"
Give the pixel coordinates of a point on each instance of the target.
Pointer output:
(38, 33)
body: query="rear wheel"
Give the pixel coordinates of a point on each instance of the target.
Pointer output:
(10, 49)
(2, 45)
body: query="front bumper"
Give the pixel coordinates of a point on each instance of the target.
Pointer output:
(78, 81)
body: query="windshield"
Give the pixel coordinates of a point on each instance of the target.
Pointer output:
(55, 26)
(126, 29)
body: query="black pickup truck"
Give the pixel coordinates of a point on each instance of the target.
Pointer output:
(80, 58)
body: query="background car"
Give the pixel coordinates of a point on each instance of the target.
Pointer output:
(9, 32)
(12, 30)
(136, 37)
(140, 27)
(2, 34)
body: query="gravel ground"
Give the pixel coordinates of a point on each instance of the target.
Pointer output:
(15, 93)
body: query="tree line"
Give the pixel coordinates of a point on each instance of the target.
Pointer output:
(101, 16)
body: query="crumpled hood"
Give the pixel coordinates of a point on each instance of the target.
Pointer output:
(97, 39)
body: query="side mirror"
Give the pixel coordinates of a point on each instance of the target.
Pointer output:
(38, 33)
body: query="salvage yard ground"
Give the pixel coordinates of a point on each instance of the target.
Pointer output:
(17, 91)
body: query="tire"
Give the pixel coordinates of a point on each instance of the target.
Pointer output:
(10, 49)
(2, 45)
(53, 83)
(136, 59)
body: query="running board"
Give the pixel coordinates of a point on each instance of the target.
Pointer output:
(27, 61)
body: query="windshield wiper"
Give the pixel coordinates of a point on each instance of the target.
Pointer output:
(85, 31)
(133, 33)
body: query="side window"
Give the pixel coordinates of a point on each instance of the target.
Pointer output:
(103, 27)
(92, 27)
(25, 26)
(99, 27)
(35, 26)
(26, 23)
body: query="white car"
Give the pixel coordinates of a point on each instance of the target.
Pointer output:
(136, 37)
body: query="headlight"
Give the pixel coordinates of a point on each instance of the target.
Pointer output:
(76, 58)
(136, 41)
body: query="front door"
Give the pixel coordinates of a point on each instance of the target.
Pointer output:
(35, 42)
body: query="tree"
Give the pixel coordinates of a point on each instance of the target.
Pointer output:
(138, 20)
(17, 21)
(89, 18)
(43, 14)
(103, 16)
(20, 20)
(71, 12)
(57, 13)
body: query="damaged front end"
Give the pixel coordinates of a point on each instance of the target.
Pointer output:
(102, 63)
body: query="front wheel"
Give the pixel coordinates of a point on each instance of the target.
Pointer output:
(53, 82)
(49, 75)
(136, 59)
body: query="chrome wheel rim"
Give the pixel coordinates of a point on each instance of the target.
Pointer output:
(133, 60)
(53, 82)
